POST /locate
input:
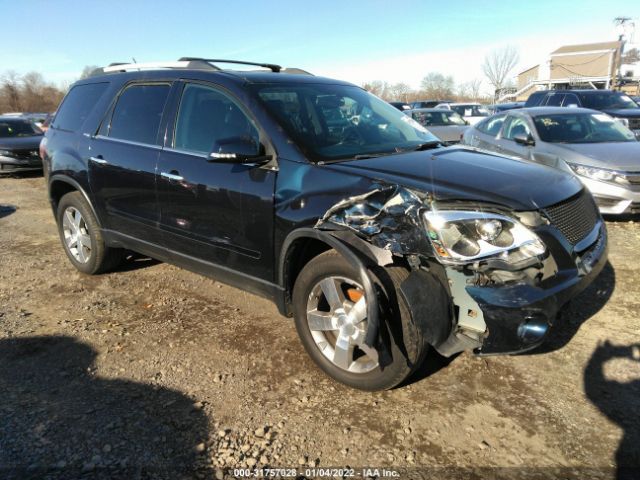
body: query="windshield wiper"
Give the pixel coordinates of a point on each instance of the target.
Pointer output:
(427, 146)
(364, 156)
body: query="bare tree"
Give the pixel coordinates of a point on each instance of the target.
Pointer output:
(498, 64)
(87, 70)
(28, 93)
(631, 56)
(437, 86)
(399, 92)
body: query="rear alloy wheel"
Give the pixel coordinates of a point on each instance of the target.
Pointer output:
(330, 312)
(82, 238)
(76, 234)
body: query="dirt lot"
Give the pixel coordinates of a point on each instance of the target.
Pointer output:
(155, 372)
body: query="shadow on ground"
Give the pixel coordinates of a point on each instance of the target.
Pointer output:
(6, 210)
(58, 420)
(135, 261)
(619, 402)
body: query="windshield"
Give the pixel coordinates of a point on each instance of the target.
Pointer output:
(470, 110)
(438, 118)
(335, 122)
(607, 100)
(581, 128)
(18, 128)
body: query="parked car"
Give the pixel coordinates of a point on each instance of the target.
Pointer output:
(19, 142)
(402, 106)
(616, 104)
(447, 125)
(426, 103)
(603, 153)
(379, 242)
(502, 107)
(471, 112)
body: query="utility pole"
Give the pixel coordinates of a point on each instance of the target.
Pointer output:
(623, 25)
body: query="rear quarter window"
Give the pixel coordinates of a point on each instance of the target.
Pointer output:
(77, 106)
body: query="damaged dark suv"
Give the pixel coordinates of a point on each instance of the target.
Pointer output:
(349, 215)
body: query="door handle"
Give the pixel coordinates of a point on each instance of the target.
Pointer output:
(98, 159)
(172, 175)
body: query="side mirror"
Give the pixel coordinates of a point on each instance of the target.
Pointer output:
(526, 140)
(237, 150)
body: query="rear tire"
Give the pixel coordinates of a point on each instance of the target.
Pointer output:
(315, 319)
(82, 238)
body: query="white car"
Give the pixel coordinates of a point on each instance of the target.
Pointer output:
(471, 112)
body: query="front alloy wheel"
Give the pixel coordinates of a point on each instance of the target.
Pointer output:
(330, 312)
(336, 314)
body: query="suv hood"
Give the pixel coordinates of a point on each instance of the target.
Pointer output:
(21, 143)
(459, 173)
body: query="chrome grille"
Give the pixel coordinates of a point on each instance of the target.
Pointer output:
(575, 217)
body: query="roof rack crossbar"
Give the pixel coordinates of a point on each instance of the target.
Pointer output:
(271, 66)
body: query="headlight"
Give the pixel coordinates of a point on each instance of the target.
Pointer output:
(5, 153)
(462, 237)
(593, 173)
(624, 121)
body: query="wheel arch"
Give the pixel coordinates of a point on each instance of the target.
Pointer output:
(60, 185)
(303, 244)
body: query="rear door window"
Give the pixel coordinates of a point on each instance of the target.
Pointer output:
(77, 105)
(137, 113)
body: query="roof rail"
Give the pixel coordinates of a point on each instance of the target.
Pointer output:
(126, 67)
(271, 66)
(190, 63)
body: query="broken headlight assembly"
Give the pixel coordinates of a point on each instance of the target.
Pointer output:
(466, 236)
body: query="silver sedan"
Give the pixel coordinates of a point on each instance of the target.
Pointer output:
(600, 150)
(447, 125)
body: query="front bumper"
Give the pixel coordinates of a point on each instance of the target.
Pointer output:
(519, 316)
(10, 164)
(613, 199)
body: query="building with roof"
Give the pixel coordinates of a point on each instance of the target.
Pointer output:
(590, 65)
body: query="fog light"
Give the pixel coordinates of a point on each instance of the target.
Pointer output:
(532, 330)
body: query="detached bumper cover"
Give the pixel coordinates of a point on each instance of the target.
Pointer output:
(519, 316)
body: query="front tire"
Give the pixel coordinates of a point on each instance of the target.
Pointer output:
(329, 307)
(82, 238)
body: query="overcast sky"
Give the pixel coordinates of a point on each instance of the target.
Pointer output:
(358, 41)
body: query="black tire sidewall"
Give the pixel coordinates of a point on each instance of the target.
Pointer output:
(332, 264)
(75, 200)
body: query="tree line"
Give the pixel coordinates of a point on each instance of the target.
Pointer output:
(29, 93)
(434, 86)
(497, 66)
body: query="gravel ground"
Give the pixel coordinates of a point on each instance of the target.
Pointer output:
(155, 372)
